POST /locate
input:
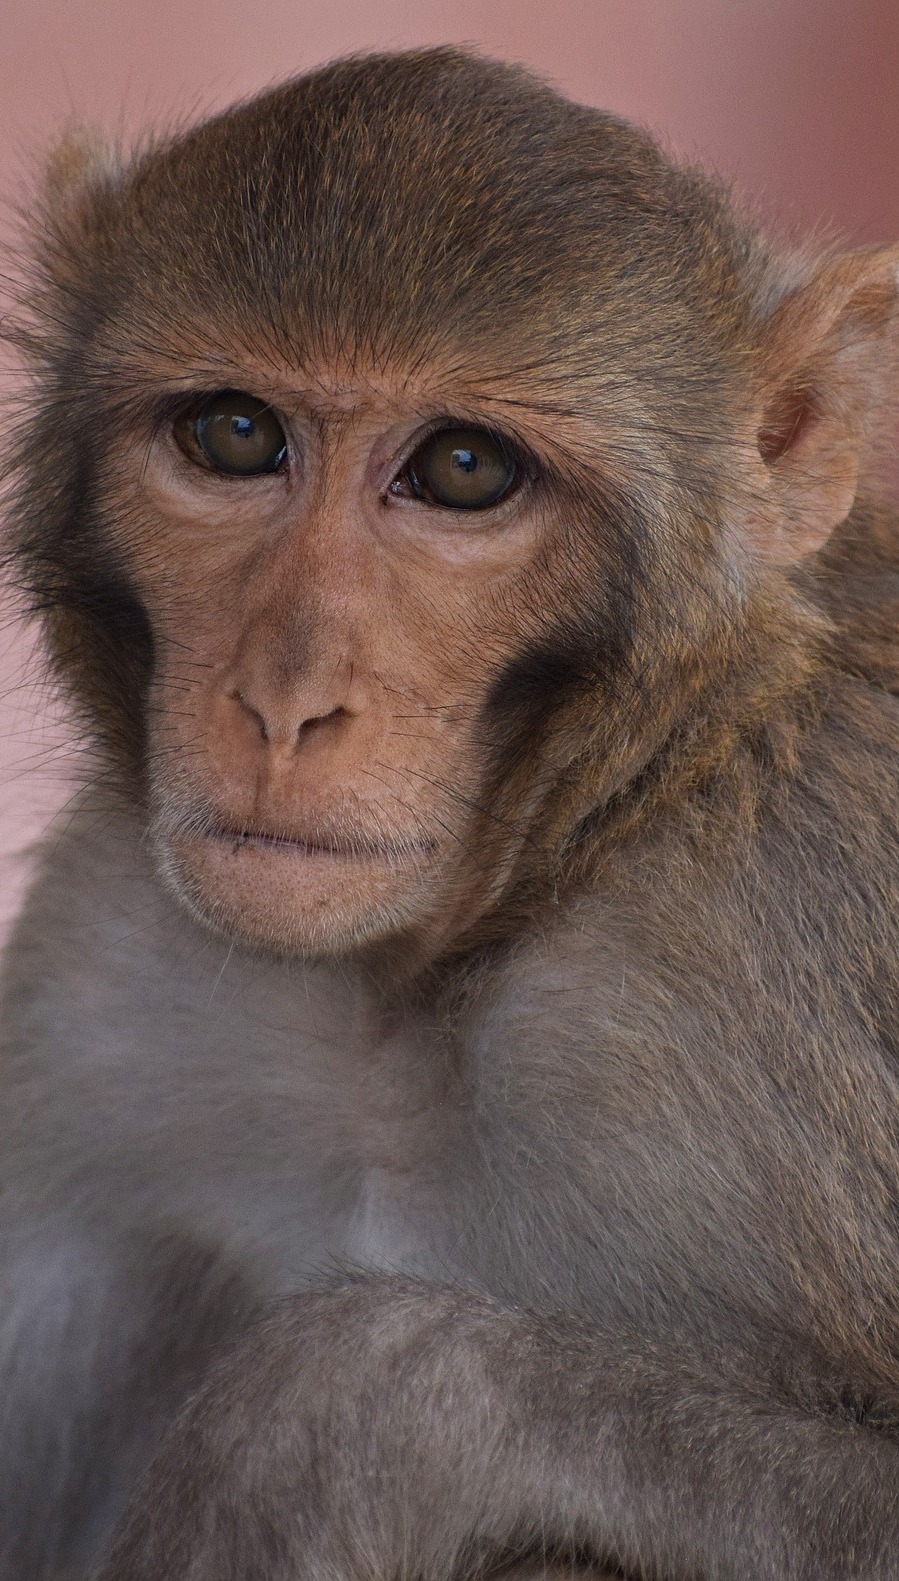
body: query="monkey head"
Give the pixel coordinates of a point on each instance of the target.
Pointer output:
(408, 447)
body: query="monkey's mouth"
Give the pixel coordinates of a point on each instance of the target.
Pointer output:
(346, 848)
(315, 890)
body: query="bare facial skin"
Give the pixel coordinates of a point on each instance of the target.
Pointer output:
(450, 1052)
(317, 774)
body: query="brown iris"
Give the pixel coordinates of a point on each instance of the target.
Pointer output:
(234, 433)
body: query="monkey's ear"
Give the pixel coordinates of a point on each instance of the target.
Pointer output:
(825, 371)
(79, 179)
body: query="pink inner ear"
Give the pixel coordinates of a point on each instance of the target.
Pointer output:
(786, 420)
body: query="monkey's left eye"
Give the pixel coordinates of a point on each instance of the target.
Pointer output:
(233, 433)
(462, 469)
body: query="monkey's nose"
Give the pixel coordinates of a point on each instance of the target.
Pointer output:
(286, 722)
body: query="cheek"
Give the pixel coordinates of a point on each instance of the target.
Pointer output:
(188, 559)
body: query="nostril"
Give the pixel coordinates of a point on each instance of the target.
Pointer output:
(317, 720)
(254, 713)
(279, 724)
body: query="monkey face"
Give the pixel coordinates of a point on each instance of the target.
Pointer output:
(333, 577)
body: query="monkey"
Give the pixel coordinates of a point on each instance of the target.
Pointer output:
(450, 1115)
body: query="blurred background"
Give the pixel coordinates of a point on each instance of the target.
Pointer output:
(796, 101)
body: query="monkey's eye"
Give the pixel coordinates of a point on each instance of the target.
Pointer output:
(465, 469)
(234, 433)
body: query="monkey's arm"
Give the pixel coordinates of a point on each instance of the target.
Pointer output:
(390, 1429)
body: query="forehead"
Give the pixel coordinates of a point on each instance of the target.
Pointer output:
(382, 205)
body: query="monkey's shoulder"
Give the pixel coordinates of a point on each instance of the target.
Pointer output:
(745, 909)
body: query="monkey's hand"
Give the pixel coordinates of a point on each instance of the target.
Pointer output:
(390, 1429)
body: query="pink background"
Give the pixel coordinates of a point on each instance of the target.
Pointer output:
(798, 100)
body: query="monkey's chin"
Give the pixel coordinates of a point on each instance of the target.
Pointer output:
(295, 898)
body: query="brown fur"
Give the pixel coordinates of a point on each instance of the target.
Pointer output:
(641, 991)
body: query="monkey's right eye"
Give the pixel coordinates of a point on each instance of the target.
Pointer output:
(234, 433)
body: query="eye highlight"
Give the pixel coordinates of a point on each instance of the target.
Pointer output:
(462, 469)
(233, 433)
